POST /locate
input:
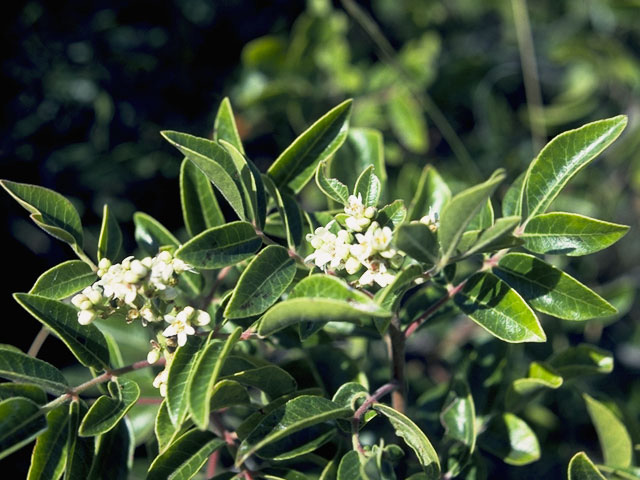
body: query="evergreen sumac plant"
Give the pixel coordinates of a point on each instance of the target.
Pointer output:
(276, 339)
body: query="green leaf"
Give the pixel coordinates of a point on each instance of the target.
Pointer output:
(49, 210)
(110, 239)
(497, 308)
(615, 442)
(289, 212)
(541, 377)
(20, 367)
(320, 298)
(550, 290)
(224, 127)
(331, 187)
(581, 360)
(64, 279)
(389, 296)
(392, 215)
(114, 454)
(180, 372)
(80, 450)
(563, 157)
(459, 212)
(263, 281)
(432, 192)
(227, 393)
(49, 454)
(86, 342)
(349, 468)
(296, 165)
(221, 246)
(458, 416)
(368, 187)
(206, 372)
(483, 219)
(363, 147)
(582, 468)
(272, 380)
(570, 234)
(406, 119)
(297, 414)
(493, 238)
(512, 200)
(414, 438)
(216, 164)
(418, 241)
(21, 421)
(200, 208)
(298, 443)
(511, 439)
(30, 392)
(106, 412)
(164, 429)
(184, 458)
(151, 234)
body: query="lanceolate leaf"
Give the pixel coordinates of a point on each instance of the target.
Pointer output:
(20, 422)
(224, 127)
(110, 239)
(185, 457)
(550, 290)
(86, 342)
(80, 450)
(460, 210)
(25, 390)
(295, 415)
(494, 236)
(418, 241)
(563, 157)
(206, 373)
(331, 187)
(19, 367)
(512, 201)
(114, 454)
(216, 164)
(221, 246)
(200, 208)
(432, 193)
(178, 379)
(484, 218)
(511, 439)
(262, 282)
(289, 212)
(582, 468)
(570, 234)
(48, 457)
(49, 210)
(272, 380)
(581, 360)
(459, 416)
(615, 442)
(363, 147)
(295, 166)
(64, 280)
(106, 412)
(496, 307)
(368, 187)
(151, 234)
(227, 393)
(415, 438)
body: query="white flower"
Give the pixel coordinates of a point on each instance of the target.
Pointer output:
(85, 317)
(179, 327)
(352, 265)
(82, 302)
(202, 318)
(431, 219)
(377, 272)
(330, 248)
(358, 216)
(153, 356)
(161, 382)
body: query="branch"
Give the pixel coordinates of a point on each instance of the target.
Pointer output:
(37, 342)
(359, 413)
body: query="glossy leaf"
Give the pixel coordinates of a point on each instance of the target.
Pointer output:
(541, 377)
(80, 450)
(407, 121)
(432, 192)
(511, 439)
(151, 234)
(49, 453)
(205, 375)
(369, 188)
(263, 281)
(180, 372)
(184, 458)
(86, 342)
(64, 280)
(563, 157)
(331, 187)
(581, 360)
(392, 215)
(224, 127)
(272, 380)
(582, 468)
(221, 246)
(458, 416)
(114, 454)
(497, 308)
(297, 414)
(110, 239)
(512, 200)
(296, 165)
(414, 438)
(215, 163)
(20, 367)
(289, 212)
(107, 411)
(492, 238)
(363, 147)
(549, 290)
(418, 241)
(227, 393)
(570, 234)
(200, 208)
(49, 210)
(460, 210)
(20, 422)
(165, 431)
(615, 442)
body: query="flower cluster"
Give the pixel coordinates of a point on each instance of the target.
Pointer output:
(350, 250)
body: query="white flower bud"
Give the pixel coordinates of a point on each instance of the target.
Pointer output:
(104, 264)
(164, 256)
(94, 295)
(153, 356)
(131, 277)
(202, 318)
(370, 212)
(79, 300)
(85, 317)
(139, 269)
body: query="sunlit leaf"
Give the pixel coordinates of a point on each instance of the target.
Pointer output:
(64, 280)
(110, 239)
(615, 442)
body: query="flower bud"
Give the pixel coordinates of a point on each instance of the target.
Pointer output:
(139, 269)
(202, 318)
(85, 317)
(79, 300)
(153, 356)
(104, 264)
(165, 256)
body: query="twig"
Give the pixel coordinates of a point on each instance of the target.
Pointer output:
(84, 257)
(38, 341)
(396, 345)
(212, 464)
(359, 413)
(292, 253)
